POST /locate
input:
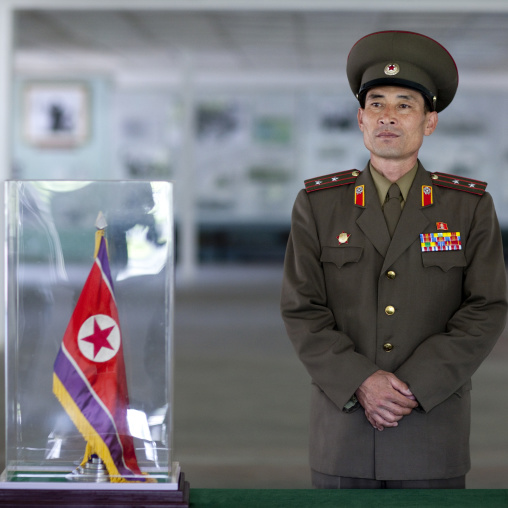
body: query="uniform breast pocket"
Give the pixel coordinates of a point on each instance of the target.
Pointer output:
(341, 256)
(446, 260)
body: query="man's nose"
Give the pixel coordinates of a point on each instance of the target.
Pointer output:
(387, 117)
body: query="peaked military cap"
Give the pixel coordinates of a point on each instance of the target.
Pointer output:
(406, 59)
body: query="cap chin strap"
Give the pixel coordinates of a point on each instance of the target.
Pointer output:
(428, 96)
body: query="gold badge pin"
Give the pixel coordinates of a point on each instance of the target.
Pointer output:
(392, 69)
(343, 238)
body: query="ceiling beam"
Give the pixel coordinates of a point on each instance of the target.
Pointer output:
(267, 5)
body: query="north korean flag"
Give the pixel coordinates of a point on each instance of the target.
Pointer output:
(89, 375)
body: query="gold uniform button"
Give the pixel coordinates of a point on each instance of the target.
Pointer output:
(391, 274)
(390, 310)
(387, 347)
(434, 177)
(355, 173)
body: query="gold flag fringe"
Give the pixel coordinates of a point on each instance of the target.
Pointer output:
(94, 443)
(98, 235)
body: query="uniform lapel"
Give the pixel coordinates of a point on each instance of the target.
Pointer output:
(372, 221)
(412, 220)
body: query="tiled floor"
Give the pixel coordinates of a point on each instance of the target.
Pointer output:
(241, 396)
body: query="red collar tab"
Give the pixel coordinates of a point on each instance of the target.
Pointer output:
(427, 198)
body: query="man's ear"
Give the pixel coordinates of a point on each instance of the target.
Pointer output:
(432, 119)
(360, 118)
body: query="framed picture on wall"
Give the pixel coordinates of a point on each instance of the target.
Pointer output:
(56, 115)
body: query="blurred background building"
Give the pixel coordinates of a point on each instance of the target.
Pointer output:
(237, 102)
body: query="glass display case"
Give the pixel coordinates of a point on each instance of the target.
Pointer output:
(89, 312)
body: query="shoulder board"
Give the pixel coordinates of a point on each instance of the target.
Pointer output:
(459, 183)
(333, 180)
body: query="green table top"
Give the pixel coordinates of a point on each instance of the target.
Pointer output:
(273, 498)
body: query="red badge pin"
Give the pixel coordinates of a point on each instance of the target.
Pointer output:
(343, 238)
(442, 226)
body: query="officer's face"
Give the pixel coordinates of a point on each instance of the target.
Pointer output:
(394, 123)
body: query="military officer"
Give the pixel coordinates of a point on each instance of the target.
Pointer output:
(394, 285)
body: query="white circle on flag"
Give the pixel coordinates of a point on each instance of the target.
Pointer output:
(99, 338)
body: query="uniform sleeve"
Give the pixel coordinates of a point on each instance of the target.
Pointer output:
(327, 353)
(445, 362)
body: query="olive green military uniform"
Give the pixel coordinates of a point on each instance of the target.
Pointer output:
(368, 303)
(426, 304)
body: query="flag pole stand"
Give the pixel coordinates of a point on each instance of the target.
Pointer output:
(93, 471)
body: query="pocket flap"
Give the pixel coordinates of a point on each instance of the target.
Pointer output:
(445, 260)
(339, 256)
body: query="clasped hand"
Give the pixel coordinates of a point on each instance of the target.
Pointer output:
(386, 399)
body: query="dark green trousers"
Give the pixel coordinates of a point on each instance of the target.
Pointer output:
(324, 481)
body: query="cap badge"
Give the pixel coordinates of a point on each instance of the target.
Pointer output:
(343, 238)
(392, 69)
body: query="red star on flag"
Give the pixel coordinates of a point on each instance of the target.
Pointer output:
(99, 338)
